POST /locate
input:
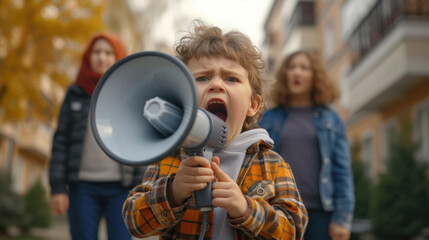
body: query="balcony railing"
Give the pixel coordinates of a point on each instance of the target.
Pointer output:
(380, 20)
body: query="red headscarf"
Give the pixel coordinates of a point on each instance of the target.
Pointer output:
(87, 79)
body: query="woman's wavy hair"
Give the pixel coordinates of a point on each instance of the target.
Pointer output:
(323, 91)
(210, 41)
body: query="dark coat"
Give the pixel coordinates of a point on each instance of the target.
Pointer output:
(68, 141)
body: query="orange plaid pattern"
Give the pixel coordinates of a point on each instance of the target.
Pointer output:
(277, 211)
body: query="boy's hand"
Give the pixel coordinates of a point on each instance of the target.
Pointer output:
(226, 193)
(193, 174)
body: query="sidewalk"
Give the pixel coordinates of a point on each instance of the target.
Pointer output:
(59, 230)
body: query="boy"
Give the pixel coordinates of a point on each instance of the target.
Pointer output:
(254, 192)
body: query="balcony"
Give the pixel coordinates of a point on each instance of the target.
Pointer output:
(303, 15)
(390, 53)
(35, 140)
(300, 28)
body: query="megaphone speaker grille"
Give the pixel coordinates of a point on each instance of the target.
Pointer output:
(116, 112)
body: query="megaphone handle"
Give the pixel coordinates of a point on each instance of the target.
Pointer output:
(203, 197)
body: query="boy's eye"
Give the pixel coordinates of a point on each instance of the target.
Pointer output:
(232, 79)
(201, 79)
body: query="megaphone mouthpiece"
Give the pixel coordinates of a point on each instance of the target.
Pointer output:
(163, 115)
(208, 132)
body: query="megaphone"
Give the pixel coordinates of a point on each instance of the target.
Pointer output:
(145, 107)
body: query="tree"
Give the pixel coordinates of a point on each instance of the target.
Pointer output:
(40, 43)
(362, 186)
(361, 183)
(37, 211)
(11, 204)
(400, 208)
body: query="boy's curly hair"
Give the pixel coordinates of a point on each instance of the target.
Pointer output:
(323, 90)
(210, 41)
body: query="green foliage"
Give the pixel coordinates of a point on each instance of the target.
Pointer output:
(37, 212)
(361, 183)
(40, 42)
(400, 208)
(11, 204)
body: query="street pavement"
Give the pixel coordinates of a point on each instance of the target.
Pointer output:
(59, 230)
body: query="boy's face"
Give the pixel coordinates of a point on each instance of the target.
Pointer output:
(224, 89)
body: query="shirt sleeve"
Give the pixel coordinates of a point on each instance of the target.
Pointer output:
(60, 149)
(343, 180)
(277, 211)
(147, 211)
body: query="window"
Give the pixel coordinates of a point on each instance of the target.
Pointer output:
(388, 133)
(44, 179)
(344, 87)
(17, 175)
(2, 153)
(367, 154)
(31, 180)
(422, 130)
(329, 39)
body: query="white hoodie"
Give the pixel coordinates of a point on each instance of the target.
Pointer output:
(231, 158)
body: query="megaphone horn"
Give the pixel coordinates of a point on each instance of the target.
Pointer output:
(116, 110)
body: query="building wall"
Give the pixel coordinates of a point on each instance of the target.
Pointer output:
(373, 123)
(367, 127)
(302, 38)
(329, 14)
(338, 62)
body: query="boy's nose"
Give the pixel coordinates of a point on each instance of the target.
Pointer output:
(217, 85)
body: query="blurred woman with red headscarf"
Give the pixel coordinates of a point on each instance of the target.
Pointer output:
(85, 183)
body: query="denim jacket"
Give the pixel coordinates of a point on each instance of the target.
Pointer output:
(336, 179)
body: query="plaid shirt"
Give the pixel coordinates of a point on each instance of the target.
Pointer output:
(277, 211)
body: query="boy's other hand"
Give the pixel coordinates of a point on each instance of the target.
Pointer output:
(60, 203)
(226, 193)
(193, 174)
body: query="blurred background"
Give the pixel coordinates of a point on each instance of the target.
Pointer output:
(376, 51)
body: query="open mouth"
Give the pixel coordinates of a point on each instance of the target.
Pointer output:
(218, 108)
(296, 82)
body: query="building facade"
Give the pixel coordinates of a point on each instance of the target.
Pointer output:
(377, 53)
(290, 25)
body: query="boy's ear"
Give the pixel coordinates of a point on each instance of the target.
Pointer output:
(255, 104)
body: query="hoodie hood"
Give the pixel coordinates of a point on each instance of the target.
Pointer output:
(243, 141)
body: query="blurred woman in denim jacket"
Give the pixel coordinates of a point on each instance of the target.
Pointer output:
(311, 137)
